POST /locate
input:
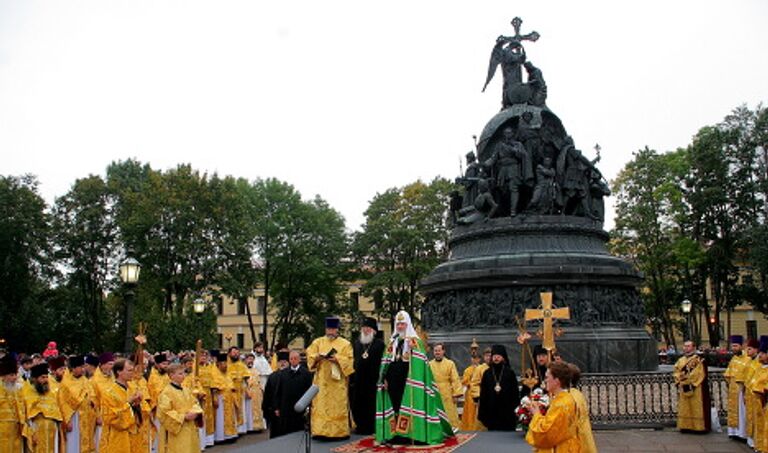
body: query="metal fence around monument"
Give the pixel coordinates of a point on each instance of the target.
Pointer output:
(642, 400)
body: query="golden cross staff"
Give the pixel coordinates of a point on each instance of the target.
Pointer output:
(547, 314)
(530, 375)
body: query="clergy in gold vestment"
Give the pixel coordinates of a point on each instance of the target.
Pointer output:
(759, 386)
(737, 423)
(255, 394)
(78, 408)
(102, 378)
(179, 414)
(120, 410)
(209, 413)
(41, 412)
(751, 366)
(331, 359)
(584, 429)
(225, 401)
(11, 408)
(557, 431)
(238, 372)
(446, 377)
(693, 408)
(469, 415)
(158, 378)
(474, 386)
(146, 434)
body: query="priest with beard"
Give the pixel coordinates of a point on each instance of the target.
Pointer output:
(408, 406)
(368, 350)
(41, 411)
(499, 393)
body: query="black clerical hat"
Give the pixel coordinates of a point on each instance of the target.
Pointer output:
(282, 355)
(539, 350)
(332, 322)
(41, 369)
(221, 357)
(499, 349)
(8, 366)
(370, 322)
(76, 361)
(92, 360)
(160, 358)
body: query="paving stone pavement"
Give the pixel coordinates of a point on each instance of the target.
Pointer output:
(637, 441)
(619, 441)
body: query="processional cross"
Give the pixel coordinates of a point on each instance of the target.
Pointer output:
(547, 314)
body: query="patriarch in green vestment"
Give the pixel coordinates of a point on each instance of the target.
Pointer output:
(408, 404)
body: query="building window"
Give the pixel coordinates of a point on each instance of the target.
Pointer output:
(240, 340)
(355, 298)
(261, 302)
(219, 307)
(752, 329)
(221, 343)
(241, 305)
(378, 299)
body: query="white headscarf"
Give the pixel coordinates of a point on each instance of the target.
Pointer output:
(410, 332)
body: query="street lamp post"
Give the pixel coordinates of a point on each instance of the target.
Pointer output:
(129, 275)
(686, 306)
(199, 307)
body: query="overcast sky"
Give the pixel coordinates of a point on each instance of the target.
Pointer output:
(347, 99)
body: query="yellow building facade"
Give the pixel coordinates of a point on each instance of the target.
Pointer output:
(232, 319)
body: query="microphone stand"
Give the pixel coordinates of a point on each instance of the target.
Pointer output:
(308, 429)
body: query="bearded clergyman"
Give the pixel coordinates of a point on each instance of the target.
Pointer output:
(330, 357)
(41, 411)
(409, 408)
(368, 350)
(693, 401)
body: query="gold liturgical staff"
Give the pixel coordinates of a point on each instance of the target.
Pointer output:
(547, 314)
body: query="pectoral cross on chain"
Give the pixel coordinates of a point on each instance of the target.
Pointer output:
(547, 314)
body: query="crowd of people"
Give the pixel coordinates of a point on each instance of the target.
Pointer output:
(747, 377)
(190, 401)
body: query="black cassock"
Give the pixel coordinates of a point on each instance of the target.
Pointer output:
(269, 404)
(362, 384)
(497, 409)
(284, 388)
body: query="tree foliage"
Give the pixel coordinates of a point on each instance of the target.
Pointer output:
(404, 237)
(691, 219)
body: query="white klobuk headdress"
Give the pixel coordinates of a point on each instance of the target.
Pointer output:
(410, 332)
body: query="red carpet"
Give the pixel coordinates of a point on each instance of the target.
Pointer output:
(366, 445)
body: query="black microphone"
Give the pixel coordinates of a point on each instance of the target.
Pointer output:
(306, 399)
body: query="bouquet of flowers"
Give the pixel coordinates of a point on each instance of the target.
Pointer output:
(523, 411)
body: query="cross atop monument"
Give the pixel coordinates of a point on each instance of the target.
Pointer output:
(547, 314)
(532, 36)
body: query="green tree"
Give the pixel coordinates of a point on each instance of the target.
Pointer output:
(308, 270)
(85, 233)
(404, 237)
(300, 248)
(233, 235)
(648, 198)
(25, 262)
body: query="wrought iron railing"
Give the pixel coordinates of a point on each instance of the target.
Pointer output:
(642, 399)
